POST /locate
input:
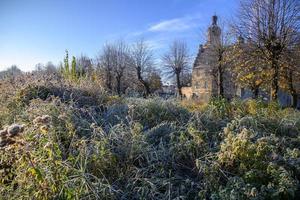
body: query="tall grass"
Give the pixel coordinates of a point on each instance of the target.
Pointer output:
(96, 146)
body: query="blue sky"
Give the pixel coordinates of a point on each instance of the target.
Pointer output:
(38, 31)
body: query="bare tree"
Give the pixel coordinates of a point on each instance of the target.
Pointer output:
(84, 65)
(106, 62)
(11, 72)
(39, 67)
(123, 60)
(176, 61)
(186, 79)
(115, 62)
(142, 58)
(273, 26)
(50, 68)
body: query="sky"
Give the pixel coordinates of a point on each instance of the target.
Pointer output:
(38, 31)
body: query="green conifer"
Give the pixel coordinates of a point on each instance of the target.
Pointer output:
(74, 74)
(66, 63)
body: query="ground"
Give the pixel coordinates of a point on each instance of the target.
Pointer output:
(75, 141)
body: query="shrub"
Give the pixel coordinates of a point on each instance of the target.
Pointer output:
(151, 112)
(93, 146)
(250, 166)
(220, 107)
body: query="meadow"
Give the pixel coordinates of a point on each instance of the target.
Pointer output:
(66, 140)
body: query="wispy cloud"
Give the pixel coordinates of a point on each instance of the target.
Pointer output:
(161, 34)
(177, 24)
(170, 25)
(156, 44)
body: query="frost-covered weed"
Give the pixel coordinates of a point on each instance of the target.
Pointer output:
(106, 147)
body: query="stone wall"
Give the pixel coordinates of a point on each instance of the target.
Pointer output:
(187, 92)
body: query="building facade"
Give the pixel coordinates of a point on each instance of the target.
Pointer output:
(205, 79)
(205, 76)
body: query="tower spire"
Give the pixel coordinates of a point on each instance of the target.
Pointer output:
(214, 19)
(214, 32)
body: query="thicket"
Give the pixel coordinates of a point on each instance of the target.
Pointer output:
(62, 140)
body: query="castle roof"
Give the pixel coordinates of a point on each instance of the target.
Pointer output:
(213, 38)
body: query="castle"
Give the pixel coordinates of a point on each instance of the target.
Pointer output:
(206, 80)
(204, 75)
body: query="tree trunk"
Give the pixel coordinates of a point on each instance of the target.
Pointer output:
(118, 85)
(221, 82)
(275, 78)
(147, 88)
(220, 73)
(255, 92)
(145, 84)
(294, 95)
(108, 81)
(178, 85)
(294, 100)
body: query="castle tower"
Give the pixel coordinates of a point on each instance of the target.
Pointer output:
(214, 32)
(205, 77)
(204, 85)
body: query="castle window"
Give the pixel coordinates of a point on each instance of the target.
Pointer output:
(197, 85)
(198, 72)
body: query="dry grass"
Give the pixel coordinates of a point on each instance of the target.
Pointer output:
(80, 143)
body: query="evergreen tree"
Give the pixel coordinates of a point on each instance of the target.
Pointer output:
(66, 63)
(73, 71)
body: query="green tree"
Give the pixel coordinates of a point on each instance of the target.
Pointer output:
(249, 70)
(274, 28)
(66, 64)
(73, 70)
